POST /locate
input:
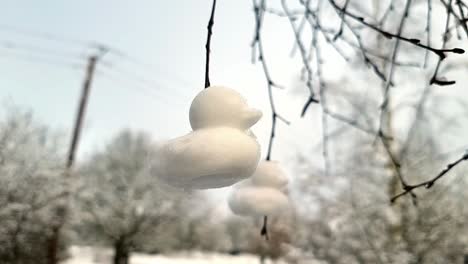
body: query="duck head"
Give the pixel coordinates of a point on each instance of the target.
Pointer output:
(222, 106)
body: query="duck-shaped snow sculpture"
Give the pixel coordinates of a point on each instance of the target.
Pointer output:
(262, 194)
(220, 150)
(270, 174)
(257, 201)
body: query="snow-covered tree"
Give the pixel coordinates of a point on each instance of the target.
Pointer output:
(355, 221)
(31, 185)
(122, 202)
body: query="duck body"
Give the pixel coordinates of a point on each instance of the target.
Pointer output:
(263, 194)
(258, 201)
(269, 174)
(207, 158)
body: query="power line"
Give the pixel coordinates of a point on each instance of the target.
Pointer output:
(48, 36)
(41, 60)
(144, 65)
(76, 66)
(145, 90)
(144, 85)
(41, 55)
(138, 78)
(20, 47)
(93, 45)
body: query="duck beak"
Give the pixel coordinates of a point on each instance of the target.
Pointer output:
(252, 116)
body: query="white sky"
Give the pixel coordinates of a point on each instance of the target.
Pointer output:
(167, 38)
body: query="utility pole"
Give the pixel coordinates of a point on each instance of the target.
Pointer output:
(81, 112)
(53, 243)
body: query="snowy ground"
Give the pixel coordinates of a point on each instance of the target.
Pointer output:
(88, 255)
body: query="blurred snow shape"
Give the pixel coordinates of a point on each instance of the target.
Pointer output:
(220, 151)
(262, 194)
(257, 201)
(269, 173)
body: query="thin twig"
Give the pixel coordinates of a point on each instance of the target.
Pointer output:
(368, 61)
(389, 35)
(412, 130)
(461, 21)
(342, 17)
(304, 58)
(394, 58)
(386, 90)
(351, 122)
(429, 183)
(208, 45)
(323, 99)
(434, 78)
(264, 230)
(258, 44)
(428, 30)
(389, 9)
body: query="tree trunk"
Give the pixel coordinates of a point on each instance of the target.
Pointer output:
(121, 252)
(52, 245)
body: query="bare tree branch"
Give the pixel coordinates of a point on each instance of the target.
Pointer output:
(208, 45)
(416, 42)
(257, 43)
(429, 183)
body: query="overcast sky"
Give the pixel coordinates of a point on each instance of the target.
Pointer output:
(151, 87)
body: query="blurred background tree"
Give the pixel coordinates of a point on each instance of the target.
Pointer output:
(122, 204)
(31, 183)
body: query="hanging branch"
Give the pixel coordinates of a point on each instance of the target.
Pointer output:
(418, 116)
(351, 31)
(208, 45)
(389, 9)
(324, 105)
(384, 107)
(392, 64)
(330, 37)
(340, 31)
(346, 16)
(434, 79)
(408, 188)
(428, 184)
(428, 30)
(305, 60)
(351, 122)
(258, 45)
(264, 230)
(322, 86)
(413, 41)
(368, 61)
(461, 20)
